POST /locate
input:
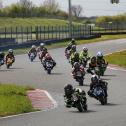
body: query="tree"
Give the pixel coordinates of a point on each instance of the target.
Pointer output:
(114, 1)
(77, 10)
(51, 6)
(26, 7)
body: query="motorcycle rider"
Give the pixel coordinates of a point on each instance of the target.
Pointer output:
(100, 58)
(70, 44)
(71, 48)
(41, 47)
(32, 50)
(69, 91)
(48, 58)
(74, 58)
(2, 54)
(43, 54)
(84, 55)
(77, 68)
(97, 82)
(92, 65)
(10, 55)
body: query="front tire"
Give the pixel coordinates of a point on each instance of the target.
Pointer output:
(81, 82)
(49, 71)
(85, 107)
(8, 66)
(80, 107)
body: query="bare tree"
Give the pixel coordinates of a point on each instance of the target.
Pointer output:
(26, 7)
(77, 10)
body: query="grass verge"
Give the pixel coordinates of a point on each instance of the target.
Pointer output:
(28, 22)
(13, 100)
(118, 58)
(63, 44)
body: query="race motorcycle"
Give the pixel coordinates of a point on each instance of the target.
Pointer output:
(79, 77)
(9, 62)
(67, 54)
(32, 57)
(84, 61)
(99, 94)
(49, 66)
(77, 101)
(1, 62)
(100, 69)
(40, 55)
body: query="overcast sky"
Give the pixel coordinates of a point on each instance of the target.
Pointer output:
(90, 7)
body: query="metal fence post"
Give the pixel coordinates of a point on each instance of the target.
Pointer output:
(5, 32)
(44, 32)
(16, 35)
(36, 32)
(48, 32)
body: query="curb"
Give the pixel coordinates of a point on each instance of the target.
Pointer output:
(52, 106)
(41, 99)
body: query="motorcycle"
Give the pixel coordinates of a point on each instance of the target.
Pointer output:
(79, 77)
(9, 62)
(67, 54)
(99, 94)
(32, 57)
(100, 70)
(1, 62)
(49, 66)
(85, 61)
(77, 101)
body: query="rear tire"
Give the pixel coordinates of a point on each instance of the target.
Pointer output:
(79, 107)
(103, 101)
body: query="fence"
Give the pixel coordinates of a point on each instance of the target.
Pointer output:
(28, 34)
(110, 28)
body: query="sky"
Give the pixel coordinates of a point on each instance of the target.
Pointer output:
(90, 7)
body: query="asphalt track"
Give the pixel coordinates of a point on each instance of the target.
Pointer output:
(24, 72)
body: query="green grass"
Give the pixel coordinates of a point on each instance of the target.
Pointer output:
(13, 100)
(63, 44)
(118, 58)
(13, 22)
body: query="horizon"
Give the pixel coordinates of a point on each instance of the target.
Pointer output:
(90, 8)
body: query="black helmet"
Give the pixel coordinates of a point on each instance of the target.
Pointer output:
(68, 86)
(94, 78)
(68, 89)
(93, 59)
(76, 65)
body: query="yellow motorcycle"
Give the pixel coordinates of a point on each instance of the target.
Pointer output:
(9, 62)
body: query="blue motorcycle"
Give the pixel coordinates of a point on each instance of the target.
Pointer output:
(99, 94)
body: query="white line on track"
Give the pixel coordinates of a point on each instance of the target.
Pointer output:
(50, 97)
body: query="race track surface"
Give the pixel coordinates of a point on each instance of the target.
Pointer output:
(23, 72)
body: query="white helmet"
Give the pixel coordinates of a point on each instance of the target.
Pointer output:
(94, 78)
(41, 44)
(10, 50)
(85, 49)
(99, 54)
(33, 46)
